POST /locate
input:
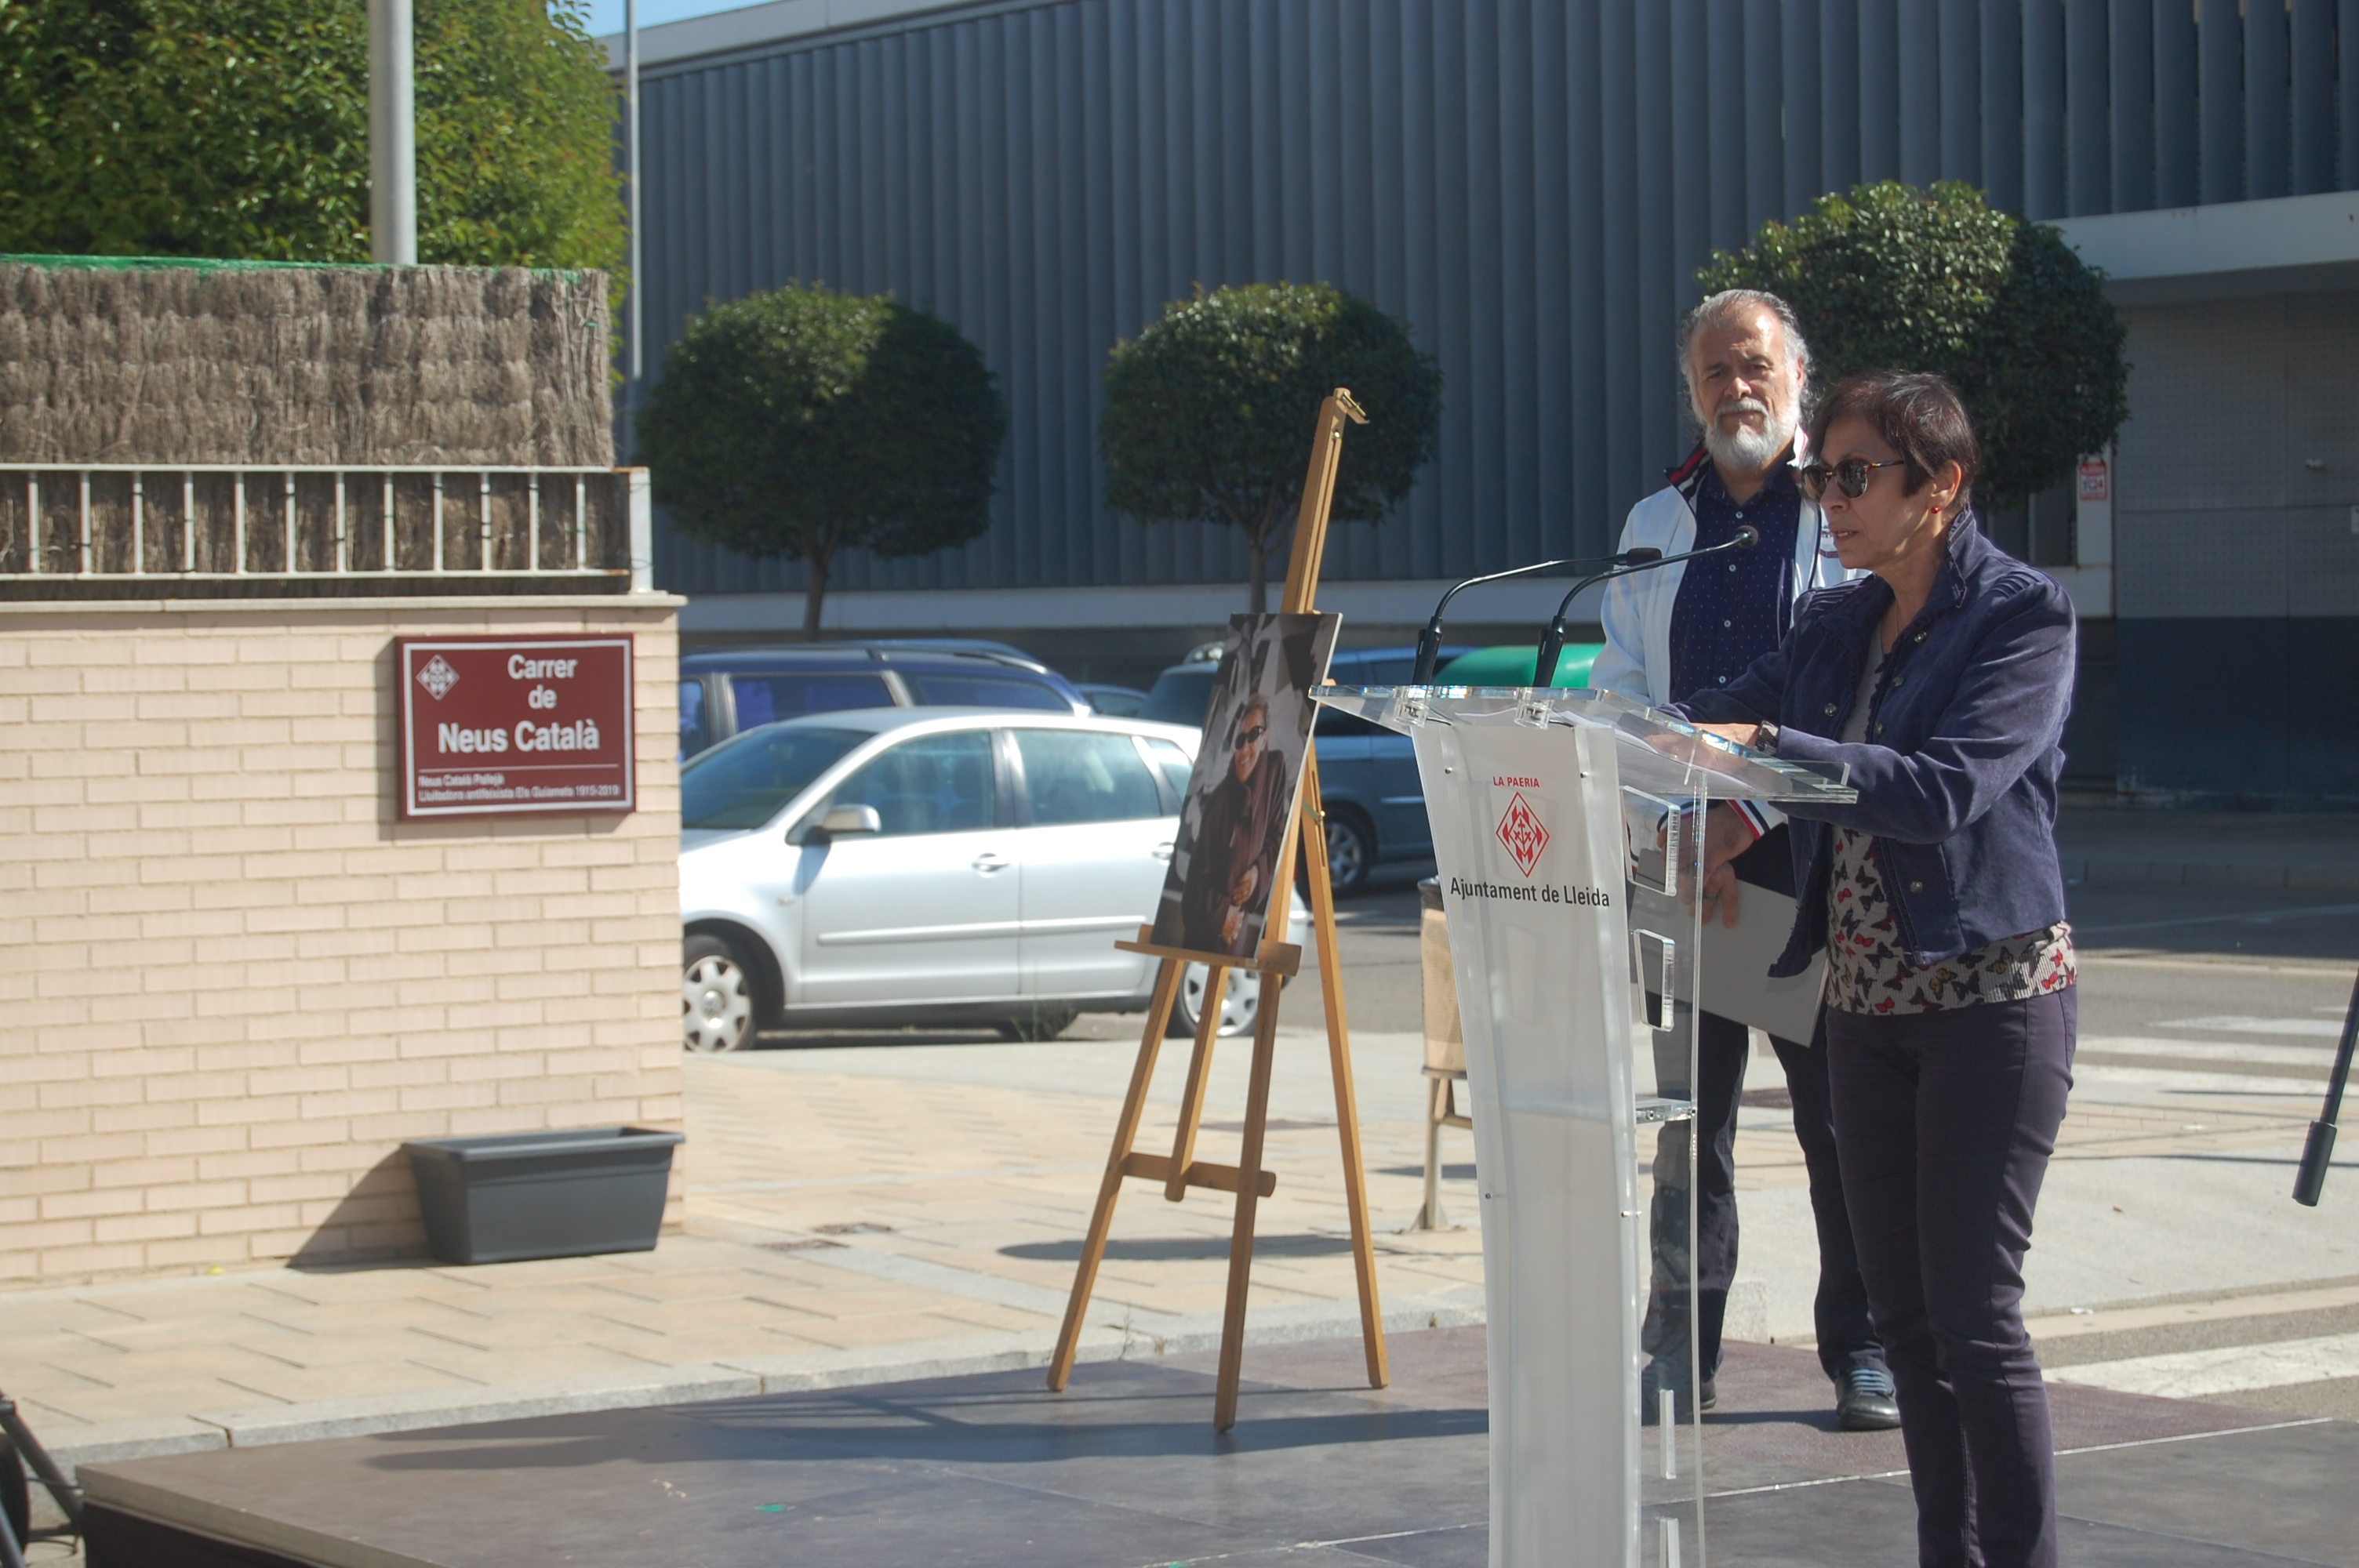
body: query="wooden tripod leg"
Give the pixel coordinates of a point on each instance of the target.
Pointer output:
(1192, 1097)
(1347, 1099)
(1125, 1133)
(1241, 1239)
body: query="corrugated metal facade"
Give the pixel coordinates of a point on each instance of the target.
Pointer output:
(1529, 183)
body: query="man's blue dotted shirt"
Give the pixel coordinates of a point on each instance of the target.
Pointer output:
(1732, 609)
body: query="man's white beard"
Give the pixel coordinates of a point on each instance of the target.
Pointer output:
(1747, 449)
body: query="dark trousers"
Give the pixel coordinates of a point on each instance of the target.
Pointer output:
(1946, 1121)
(1846, 1336)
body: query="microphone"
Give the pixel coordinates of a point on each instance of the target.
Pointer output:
(1428, 641)
(1638, 560)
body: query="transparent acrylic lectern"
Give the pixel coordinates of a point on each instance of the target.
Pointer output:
(1562, 827)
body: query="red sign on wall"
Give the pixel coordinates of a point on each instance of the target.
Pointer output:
(2096, 481)
(514, 725)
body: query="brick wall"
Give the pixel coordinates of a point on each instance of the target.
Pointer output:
(232, 982)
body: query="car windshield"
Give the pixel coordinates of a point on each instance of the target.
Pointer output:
(745, 783)
(1181, 697)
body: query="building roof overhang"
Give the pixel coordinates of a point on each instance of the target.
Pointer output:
(749, 27)
(2288, 244)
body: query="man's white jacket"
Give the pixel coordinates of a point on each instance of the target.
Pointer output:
(1637, 613)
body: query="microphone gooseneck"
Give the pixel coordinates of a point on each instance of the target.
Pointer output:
(1428, 641)
(1644, 558)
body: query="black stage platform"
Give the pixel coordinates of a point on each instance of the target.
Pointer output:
(1125, 1472)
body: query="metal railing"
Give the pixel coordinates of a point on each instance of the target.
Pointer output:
(274, 525)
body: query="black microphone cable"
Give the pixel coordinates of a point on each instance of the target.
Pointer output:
(1642, 560)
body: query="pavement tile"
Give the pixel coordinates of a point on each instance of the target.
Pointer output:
(860, 1299)
(151, 1304)
(103, 1406)
(990, 1315)
(543, 1363)
(895, 1328)
(705, 1284)
(530, 1301)
(534, 1271)
(73, 1349)
(719, 1345)
(349, 1286)
(691, 1319)
(523, 1331)
(172, 1334)
(353, 1380)
(356, 1318)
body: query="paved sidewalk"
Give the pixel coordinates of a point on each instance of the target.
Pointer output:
(868, 1212)
(855, 1214)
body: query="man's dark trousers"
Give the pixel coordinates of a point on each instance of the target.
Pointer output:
(1839, 1312)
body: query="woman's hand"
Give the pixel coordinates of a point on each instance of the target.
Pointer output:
(1742, 734)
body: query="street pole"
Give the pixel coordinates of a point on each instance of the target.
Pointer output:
(631, 119)
(392, 137)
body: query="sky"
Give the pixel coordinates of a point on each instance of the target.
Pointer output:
(606, 16)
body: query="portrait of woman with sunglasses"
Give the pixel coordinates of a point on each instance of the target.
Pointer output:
(1943, 678)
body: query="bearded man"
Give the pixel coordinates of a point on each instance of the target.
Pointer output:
(1689, 628)
(1239, 833)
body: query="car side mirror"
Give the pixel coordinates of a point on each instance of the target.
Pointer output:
(842, 819)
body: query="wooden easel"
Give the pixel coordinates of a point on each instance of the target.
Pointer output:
(1273, 961)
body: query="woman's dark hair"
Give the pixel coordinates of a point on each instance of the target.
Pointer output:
(1917, 413)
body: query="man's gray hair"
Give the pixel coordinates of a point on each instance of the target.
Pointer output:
(1730, 302)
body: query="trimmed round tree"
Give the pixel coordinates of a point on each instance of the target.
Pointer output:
(1893, 278)
(801, 422)
(1210, 412)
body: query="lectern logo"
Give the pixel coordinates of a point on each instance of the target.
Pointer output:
(1521, 832)
(438, 677)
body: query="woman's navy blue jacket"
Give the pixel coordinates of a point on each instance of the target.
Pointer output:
(1957, 778)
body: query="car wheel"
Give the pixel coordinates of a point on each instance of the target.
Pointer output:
(1044, 1021)
(1240, 1000)
(1350, 854)
(717, 996)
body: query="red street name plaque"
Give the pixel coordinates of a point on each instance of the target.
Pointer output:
(514, 725)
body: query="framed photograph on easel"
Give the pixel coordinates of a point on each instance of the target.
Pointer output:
(1242, 796)
(1252, 807)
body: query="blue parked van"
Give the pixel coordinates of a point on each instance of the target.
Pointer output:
(725, 691)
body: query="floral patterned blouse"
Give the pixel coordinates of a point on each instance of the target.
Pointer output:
(1865, 971)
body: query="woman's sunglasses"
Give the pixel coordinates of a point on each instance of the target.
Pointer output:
(1851, 474)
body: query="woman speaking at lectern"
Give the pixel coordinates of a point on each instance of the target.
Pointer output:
(1944, 679)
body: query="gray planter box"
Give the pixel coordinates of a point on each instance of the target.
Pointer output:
(542, 1195)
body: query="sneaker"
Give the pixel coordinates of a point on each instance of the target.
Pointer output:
(1865, 1400)
(1666, 1372)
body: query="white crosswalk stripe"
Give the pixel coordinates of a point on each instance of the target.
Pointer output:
(2315, 1028)
(2228, 1370)
(2207, 1050)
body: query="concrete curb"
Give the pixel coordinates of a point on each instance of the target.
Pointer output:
(1107, 1340)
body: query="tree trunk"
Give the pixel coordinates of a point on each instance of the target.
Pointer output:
(1263, 543)
(815, 590)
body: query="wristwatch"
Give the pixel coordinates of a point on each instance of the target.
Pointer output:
(1765, 739)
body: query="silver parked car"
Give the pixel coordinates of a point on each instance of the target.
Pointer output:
(930, 866)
